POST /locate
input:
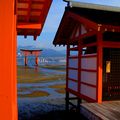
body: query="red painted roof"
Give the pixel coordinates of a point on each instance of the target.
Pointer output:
(31, 15)
(75, 18)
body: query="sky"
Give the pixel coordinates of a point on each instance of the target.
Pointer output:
(52, 23)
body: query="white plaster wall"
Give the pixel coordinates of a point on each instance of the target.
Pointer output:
(89, 77)
(89, 63)
(83, 30)
(88, 91)
(73, 74)
(73, 63)
(73, 85)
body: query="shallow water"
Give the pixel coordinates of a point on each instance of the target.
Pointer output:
(45, 84)
(57, 72)
(41, 87)
(28, 106)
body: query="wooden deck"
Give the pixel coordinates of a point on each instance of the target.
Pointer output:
(105, 111)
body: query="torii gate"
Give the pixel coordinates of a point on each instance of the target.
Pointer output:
(26, 53)
(17, 17)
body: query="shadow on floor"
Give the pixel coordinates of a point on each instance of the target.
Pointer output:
(57, 115)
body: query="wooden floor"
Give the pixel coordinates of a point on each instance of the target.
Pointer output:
(105, 111)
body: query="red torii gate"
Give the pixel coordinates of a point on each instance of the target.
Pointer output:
(26, 53)
(17, 17)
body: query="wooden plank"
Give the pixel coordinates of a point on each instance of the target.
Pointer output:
(105, 111)
(91, 113)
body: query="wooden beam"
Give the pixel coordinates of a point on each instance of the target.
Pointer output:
(82, 20)
(109, 44)
(32, 9)
(37, 2)
(29, 10)
(89, 34)
(110, 28)
(28, 26)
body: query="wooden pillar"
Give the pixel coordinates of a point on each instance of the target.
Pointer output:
(36, 60)
(67, 66)
(79, 65)
(99, 66)
(67, 101)
(8, 81)
(79, 100)
(26, 60)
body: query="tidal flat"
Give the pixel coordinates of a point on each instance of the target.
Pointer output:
(55, 67)
(34, 94)
(40, 90)
(41, 82)
(30, 75)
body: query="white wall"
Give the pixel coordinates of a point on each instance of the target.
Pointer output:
(73, 85)
(73, 63)
(89, 63)
(88, 91)
(73, 74)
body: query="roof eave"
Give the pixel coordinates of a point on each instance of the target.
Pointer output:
(93, 6)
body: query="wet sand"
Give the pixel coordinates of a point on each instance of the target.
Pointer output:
(44, 99)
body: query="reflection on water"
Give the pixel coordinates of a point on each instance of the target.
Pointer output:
(30, 87)
(42, 61)
(41, 84)
(28, 106)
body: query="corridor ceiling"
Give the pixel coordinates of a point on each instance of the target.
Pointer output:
(31, 16)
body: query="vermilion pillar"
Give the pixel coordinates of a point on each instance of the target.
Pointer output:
(26, 53)
(36, 61)
(99, 63)
(8, 82)
(26, 61)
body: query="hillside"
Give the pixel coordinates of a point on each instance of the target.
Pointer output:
(46, 52)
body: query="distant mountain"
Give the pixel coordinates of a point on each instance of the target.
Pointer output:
(46, 52)
(26, 47)
(51, 52)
